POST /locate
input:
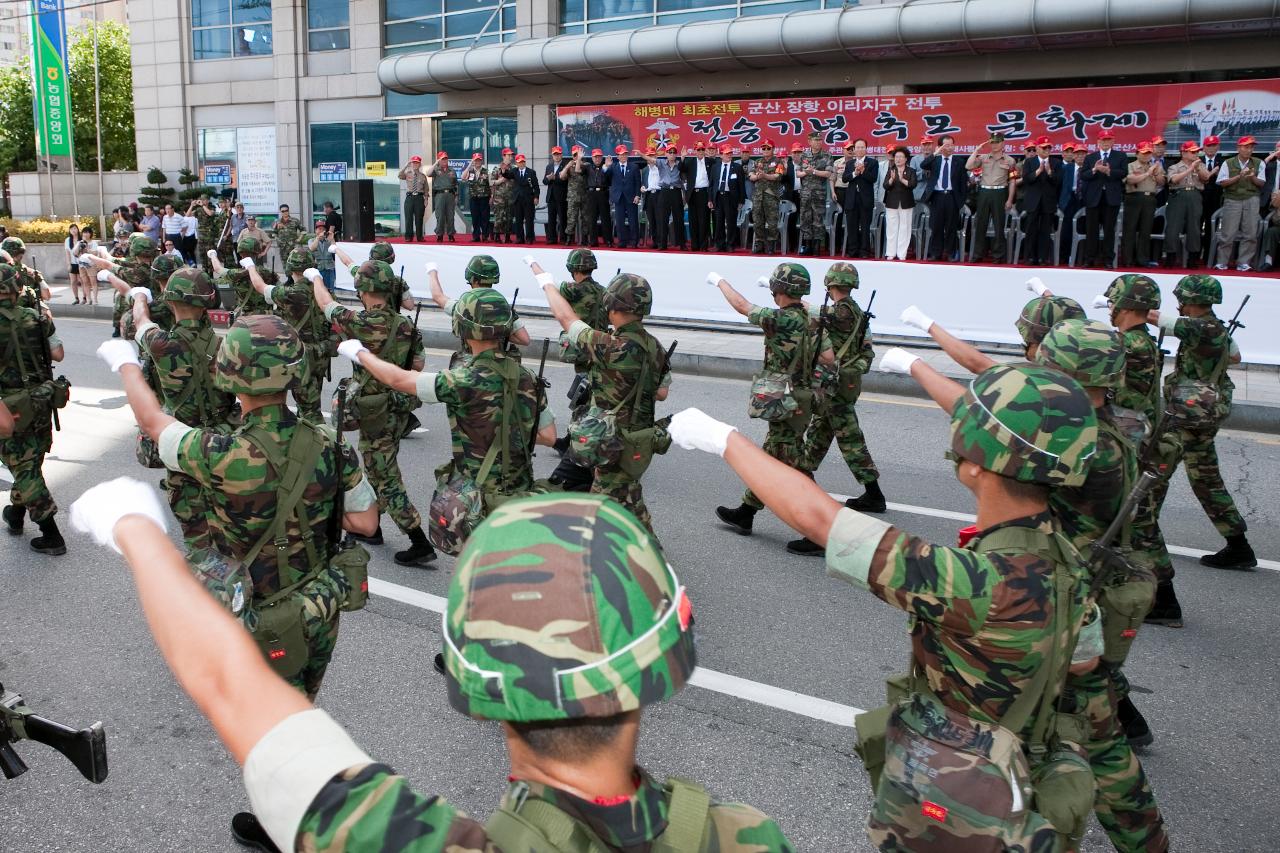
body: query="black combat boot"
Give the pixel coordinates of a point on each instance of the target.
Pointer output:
(1166, 610)
(1237, 555)
(374, 538)
(1136, 730)
(739, 519)
(247, 831)
(420, 552)
(13, 516)
(437, 663)
(805, 548)
(872, 500)
(50, 540)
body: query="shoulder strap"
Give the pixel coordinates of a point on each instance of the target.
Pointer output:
(647, 344)
(848, 342)
(1127, 453)
(523, 825)
(688, 808)
(200, 378)
(14, 315)
(802, 349)
(1221, 367)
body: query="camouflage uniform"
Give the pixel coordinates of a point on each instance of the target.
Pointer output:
(500, 193)
(1040, 315)
(286, 236)
(30, 281)
(764, 203)
(260, 356)
(982, 618)
(135, 271)
(248, 300)
(209, 222)
(586, 298)
(182, 359)
(812, 210)
(586, 543)
(575, 223)
(295, 300)
(478, 192)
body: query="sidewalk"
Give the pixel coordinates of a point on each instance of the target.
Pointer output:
(704, 351)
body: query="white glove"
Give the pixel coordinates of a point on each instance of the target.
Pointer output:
(529, 260)
(213, 254)
(432, 266)
(247, 263)
(1036, 286)
(117, 354)
(898, 360)
(351, 349)
(545, 279)
(310, 273)
(713, 279)
(916, 318)
(763, 281)
(97, 510)
(140, 293)
(333, 250)
(1101, 302)
(694, 429)
(104, 276)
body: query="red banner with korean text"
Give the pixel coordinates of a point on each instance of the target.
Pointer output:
(1133, 113)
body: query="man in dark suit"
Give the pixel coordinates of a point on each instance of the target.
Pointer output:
(624, 198)
(1070, 197)
(557, 197)
(1213, 160)
(599, 223)
(1102, 176)
(524, 197)
(697, 180)
(860, 175)
(1041, 185)
(728, 191)
(791, 192)
(944, 193)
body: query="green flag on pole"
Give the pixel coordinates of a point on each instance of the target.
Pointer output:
(49, 67)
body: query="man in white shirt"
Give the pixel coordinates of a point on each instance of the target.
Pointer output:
(698, 181)
(188, 245)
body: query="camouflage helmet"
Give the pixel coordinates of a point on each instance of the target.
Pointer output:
(1027, 422)
(563, 607)
(141, 246)
(789, 279)
(581, 260)
(190, 286)
(841, 274)
(1135, 292)
(299, 259)
(9, 287)
(1043, 313)
(163, 267)
(1089, 352)
(482, 314)
(1198, 290)
(630, 294)
(384, 252)
(13, 245)
(377, 277)
(484, 269)
(261, 354)
(247, 247)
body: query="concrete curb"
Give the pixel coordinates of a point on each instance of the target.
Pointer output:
(1245, 415)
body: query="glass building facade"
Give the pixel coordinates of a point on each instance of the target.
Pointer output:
(221, 29)
(595, 16)
(328, 25)
(362, 149)
(412, 26)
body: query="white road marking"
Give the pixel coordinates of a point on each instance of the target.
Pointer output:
(1180, 550)
(708, 679)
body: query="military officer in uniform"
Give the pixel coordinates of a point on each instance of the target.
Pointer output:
(766, 179)
(815, 176)
(444, 197)
(501, 192)
(1142, 184)
(574, 175)
(476, 177)
(557, 197)
(995, 197)
(415, 198)
(1186, 182)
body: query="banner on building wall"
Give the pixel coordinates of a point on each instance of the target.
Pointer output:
(219, 174)
(1133, 113)
(49, 69)
(256, 168)
(375, 168)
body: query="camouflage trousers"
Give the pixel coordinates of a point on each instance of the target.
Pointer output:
(810, 218)
(307, 390)
(575, 225)
(321, 607)
(382, 466)
(784, 444)
(764, 220)
(1194, 448)
(23, 455)
(838, 419)
(626, 490)
(500, 210)
(119, 307)
(187, 500)
(1124, 803)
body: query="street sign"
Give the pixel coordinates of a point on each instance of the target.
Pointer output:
(218, 174)
(333, 173)
(375, 168)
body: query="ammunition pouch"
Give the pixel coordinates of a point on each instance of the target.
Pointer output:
(351, 562)
(279, 632)
(146, 451)
(594, 441)
(640, 445)
(1125, 602)
(31, 407)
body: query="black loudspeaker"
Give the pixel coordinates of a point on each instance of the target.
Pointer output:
(357, 210)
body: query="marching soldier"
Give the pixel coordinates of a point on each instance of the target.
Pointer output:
(835, 411)
(33, 291)
(209, 221)
(789, 348)
(575, 177)
(134, 270)
(444, 197)
(995, 196)
(766, 175)
(249, 300)
(286, 232)
(586, 297)
(378, 412)
(161, 314)
(815, 177)
(481, 272)
(386, 253)
(30, 394)
(501, 191)
(476, 177)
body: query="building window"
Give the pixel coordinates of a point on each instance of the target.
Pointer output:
(240, 162)
(363, 149)
(465, 136)
(221, 29)
(413, 26)
(592, 16)
(327, 25)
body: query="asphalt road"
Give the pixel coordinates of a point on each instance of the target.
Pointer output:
(74, 643)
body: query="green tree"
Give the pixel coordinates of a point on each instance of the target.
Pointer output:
(192, 188)
(17, 122)
(115, 89)
(157, 194)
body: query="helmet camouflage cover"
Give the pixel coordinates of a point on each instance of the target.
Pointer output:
(789, 279)
(484, 269)
(163, 267)
(563, 607)
(13, 245)
(191, 286)
(482, 314)
(1027, 422)
(1043, 313)
(1198, 290)
(630, 294)
(141, 246)
(261, 354)
(1134, 291)
(581, 260)
(377, 277)
(248, 246)
(299, 259)
(841, 274)
(1089, 352)
(9, 286)
(382, 252)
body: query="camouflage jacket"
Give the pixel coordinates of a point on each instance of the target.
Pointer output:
(586, 298)
(1202, 343)
(616, 360)
(241, 488)
(248, 299)
(171, 352)
(138, 274)
(500, 188)
(373, 328)
(812, 186)
(844, 316)
(22, 361)
(768, 166)
(286, 235)
(1141, 389)
(31, 286)
(208, 224)
(371, 807)
(472, 394)
(786, 329)
(296, 302)
(1085, 511)
(478, 184)
(981, 623)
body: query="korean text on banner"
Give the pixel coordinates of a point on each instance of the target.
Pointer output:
(256, 157)
(52, 93)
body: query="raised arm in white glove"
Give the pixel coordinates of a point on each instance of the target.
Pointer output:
(333, 249)
(1036, 286)
(311, 273)
(714, 279)
(117, 354)
(1101, 301)
(247, 263)
(142, 293)
(898, 360)
(432, 266)
(104, 276)
(212, 253)
(529, 260)
(694, 429)
(97, 510)
(351, 349)
(916, 318)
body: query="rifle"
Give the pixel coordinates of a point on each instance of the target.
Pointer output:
(822, 327)
(537, 399)
(335, 520)
(413, 341)
(1235, 321)
(1104, 559)
(86, 748)
(48, 363)
(865, 323)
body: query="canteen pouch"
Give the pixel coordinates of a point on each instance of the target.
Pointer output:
(279, 633)
(638, 447)
(352, 562)
(1124, 605)
(1193, 401)
(871, 725)
(146, 451)
(372, 412)
(771, 397)
(849, 383)
(457, 508)
(400, 403)
(594, 441)
(346, 419)
(1064, 792)
(799, 420)
(26, 411)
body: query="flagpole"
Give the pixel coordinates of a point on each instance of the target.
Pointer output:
(71, 127)
(97, 126)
